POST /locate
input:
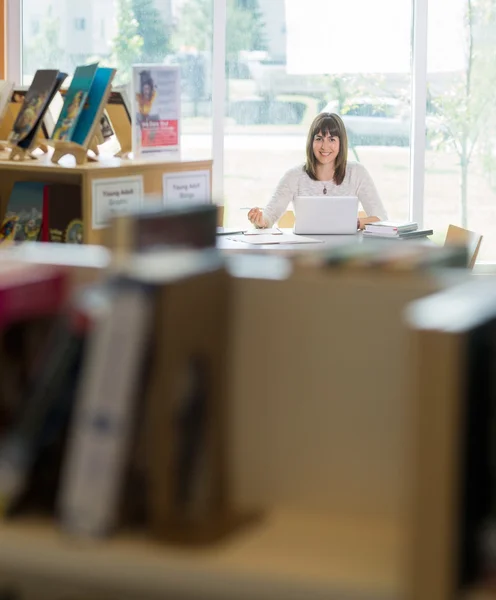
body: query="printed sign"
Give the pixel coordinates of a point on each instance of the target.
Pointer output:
(187, 187)
(115, 196)
(156, 108)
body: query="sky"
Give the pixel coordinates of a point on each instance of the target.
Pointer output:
(370, 36)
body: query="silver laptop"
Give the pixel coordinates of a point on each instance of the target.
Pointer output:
(325, 215)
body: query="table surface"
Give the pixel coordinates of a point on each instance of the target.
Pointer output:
(226, 244)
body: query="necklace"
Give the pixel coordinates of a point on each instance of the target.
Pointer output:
(325, 190)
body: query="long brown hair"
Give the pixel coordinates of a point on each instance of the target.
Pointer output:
(328, 124)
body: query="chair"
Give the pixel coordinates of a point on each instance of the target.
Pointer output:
(220, 216)
(287, 220)
(457, 236)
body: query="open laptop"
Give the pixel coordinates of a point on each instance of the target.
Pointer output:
(325, 215)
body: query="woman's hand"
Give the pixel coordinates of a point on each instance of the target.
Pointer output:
(362, 221)
(256, 217)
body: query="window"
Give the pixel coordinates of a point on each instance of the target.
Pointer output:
(460, 165)
(298, 69)
(35, 27)
(282, 68)
(131, 32)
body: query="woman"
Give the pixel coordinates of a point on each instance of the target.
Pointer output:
(325, 173)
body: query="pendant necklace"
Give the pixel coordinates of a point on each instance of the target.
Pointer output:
(325, 190)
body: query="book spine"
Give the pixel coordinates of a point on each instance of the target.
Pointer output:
(102, 426)
(33, 299)
(45, 218)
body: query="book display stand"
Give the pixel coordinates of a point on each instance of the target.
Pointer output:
(21, 154)
(18, 153)
(80, 153)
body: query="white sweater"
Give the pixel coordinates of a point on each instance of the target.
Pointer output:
(356, 182)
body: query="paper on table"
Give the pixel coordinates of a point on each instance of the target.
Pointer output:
(283, 238)
(271, 231)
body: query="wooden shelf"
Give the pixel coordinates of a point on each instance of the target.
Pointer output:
(43, 162)
(150, 169)
(289, 555)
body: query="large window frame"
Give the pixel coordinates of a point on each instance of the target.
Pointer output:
(11, 20)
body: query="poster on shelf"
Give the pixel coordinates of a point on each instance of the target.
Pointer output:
(156, 109)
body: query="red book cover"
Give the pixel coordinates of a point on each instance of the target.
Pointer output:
(62, 214)
(30, 290)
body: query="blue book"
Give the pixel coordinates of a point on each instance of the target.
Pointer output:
(25, 211)
(74, 102)
(96, 98)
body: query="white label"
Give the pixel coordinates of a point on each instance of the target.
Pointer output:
(187, 187)
(119, 195)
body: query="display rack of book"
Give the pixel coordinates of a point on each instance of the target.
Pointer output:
(343, 450)
(93, 192)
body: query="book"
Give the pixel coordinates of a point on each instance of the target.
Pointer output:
(156, 108)
(101, 429)
(24, 212)
(13, 108)
(6, 88)
(399, 235)
(152, 229)
(74, 101)
(390, 227)
(119, 112)
(93, 106)
(62, 220)
(35, 104)
(44, 409)
(30, 290)
(106, 127)
(378, 256)
(119, 96)
(453, 387)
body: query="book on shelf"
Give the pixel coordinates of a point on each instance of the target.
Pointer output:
(388, 257)
(106, 126)
(101, 427)
(24, 212)
(120, 96)
(42, 211)
(62, 220)
(156, 108)
(93, 106)
(177, 226)
(6, 88)
(36, 102)
(119, 112)
(453, 355)
(74, 102)
(144, 325)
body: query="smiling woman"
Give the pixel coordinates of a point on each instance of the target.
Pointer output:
(325, 172)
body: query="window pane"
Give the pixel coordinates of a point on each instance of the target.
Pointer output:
(460, 186)
(64, 34)
(283, 69)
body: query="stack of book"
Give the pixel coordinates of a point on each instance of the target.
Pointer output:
(395, 230)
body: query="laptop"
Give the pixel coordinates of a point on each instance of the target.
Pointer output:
(325, 215)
